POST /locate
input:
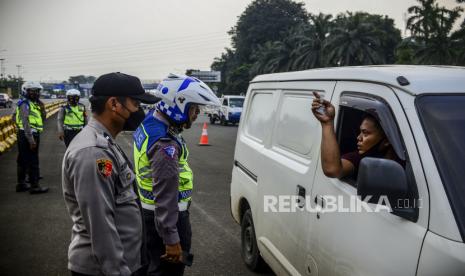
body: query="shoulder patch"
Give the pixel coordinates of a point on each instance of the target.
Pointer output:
(104, 167)
(169, 151)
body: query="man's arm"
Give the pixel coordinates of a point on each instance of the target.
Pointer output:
(60, 123)
(95, 194)
(85, 115)
(24, 114)
(43, 112)
(165, 167)
(331, 162)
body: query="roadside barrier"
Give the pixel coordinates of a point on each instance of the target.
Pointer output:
(8, 129)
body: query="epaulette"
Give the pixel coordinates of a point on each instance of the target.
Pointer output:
(166, 139)
(102, 141)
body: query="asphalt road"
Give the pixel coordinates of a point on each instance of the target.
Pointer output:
(35, 229)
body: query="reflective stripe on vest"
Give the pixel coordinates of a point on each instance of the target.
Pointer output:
(74, 116)
(35, 116)
(144, 171)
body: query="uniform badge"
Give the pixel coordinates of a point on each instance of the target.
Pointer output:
(169, 151)
(104, 167)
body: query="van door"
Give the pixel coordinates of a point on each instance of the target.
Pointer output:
(347, 242)
(290, 161)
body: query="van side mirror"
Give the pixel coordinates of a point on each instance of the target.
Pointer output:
(383, 177)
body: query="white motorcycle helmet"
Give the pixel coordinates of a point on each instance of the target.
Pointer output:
(30, 85)
(177, 92)
(73, 92)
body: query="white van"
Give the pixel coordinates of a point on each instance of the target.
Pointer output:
(229, 112)
(422, 111)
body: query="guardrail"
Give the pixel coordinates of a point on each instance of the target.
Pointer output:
(8, 135)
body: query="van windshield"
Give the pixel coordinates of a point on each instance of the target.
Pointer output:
(2, 96)
(236, 102)
(443, 120)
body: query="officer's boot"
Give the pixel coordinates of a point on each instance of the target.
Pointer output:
(22, 186)
(36, 189)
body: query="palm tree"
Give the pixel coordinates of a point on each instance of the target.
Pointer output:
(272, 57)
(310, 40)
(435, 43)
(421, 21)
(353, 41)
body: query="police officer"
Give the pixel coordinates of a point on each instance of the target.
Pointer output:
(164, 177)
(29, 117)
(72, 117)
(99, 184)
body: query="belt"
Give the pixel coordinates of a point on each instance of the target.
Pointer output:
(71, 128)
(182, 206)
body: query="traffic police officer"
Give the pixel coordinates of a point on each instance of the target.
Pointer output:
(164, 177)
(29, 117)
(98, 183)
(72, 117)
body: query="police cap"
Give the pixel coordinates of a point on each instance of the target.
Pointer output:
(122, 85)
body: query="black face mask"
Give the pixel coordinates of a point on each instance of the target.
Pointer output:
(73, 100)
(134, 120)
(33, 96)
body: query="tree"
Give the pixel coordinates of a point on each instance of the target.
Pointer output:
(433, 40)
(263, 21)
(354, 41)
(311, 38)
(11, 83)
(421, 21)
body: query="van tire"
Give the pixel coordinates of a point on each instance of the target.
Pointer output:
(212, 120)
(249, 249)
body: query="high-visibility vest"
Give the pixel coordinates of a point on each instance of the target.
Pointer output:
(35, 116)
(149, 132)
(74, 116)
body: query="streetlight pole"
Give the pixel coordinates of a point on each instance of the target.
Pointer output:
(2, 67)
(19, 79)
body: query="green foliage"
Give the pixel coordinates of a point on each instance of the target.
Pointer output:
(279, 36)
(262, 21)
(11, 83)
(434, 40)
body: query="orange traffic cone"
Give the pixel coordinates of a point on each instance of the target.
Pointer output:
(204, 137)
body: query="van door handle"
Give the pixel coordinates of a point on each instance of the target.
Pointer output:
(301, 193)
(320, 201)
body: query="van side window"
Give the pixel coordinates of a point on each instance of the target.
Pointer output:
(360, 135)
(296, 132)
(259, 114)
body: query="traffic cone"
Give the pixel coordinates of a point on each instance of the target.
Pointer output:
(204, 137)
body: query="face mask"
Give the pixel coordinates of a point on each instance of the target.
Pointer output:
(134, 120)
(73, 100)
(33, 96)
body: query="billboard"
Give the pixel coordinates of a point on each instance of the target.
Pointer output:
(207, 76)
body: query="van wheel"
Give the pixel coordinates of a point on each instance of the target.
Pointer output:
(249, 248)
(212, 120)
(223, 121)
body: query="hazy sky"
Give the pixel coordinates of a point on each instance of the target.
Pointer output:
(54, 39)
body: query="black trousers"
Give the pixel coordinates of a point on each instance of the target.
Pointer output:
(156, 247)
(28, 160)
(69, 135)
